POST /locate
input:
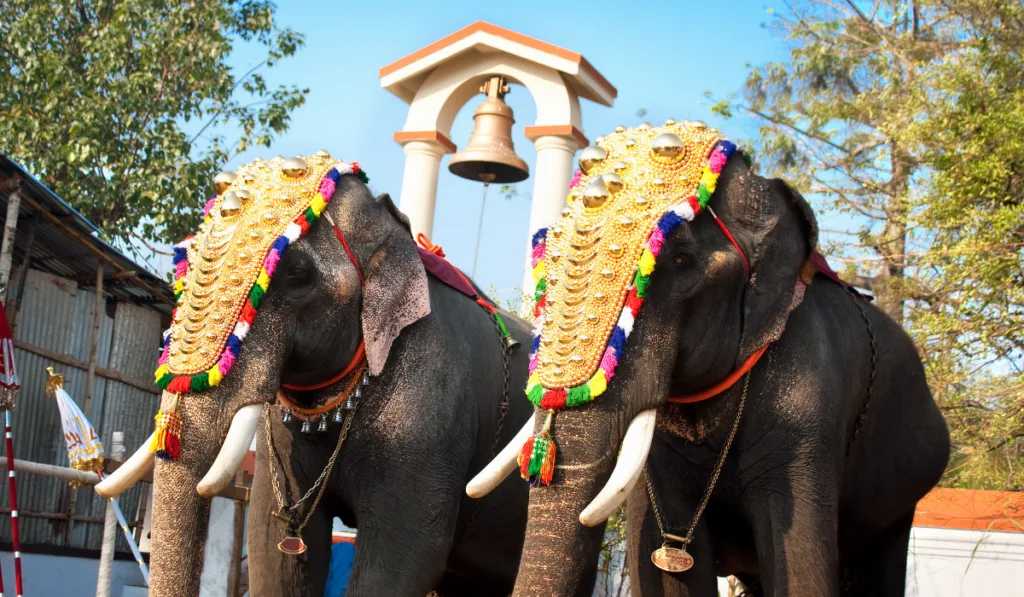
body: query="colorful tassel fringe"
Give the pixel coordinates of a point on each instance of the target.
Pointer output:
(537, 458)
(167, 436)
(538, 454)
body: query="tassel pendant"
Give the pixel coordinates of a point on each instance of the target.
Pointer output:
(537, 458)
(167, 435)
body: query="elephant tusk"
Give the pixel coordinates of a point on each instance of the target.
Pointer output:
(129, 473)
(236, 446)
(636, 445)
(503, 464)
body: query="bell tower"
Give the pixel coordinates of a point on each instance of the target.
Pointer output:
(438, 80)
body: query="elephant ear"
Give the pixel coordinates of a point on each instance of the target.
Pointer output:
(395, 294)
(785, 233)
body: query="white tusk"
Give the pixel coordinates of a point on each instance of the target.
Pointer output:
(636, 445)
(236, 446)
(503, 464)
(129, 473)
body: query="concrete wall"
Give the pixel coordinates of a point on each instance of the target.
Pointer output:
(58, 576)
(963, 563)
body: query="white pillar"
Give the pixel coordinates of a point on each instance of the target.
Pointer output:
(106, 571)
(553, 172)
(419, 184)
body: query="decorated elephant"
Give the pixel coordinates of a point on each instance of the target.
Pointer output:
(374, 390)
(780, 424)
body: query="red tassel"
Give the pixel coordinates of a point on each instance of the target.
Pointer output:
(537, 458)
(167, 436)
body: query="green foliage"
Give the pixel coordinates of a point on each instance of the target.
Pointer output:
(902, 120)
(122, 107)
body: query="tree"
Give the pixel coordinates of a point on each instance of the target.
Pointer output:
(901, 120)
(124, 108)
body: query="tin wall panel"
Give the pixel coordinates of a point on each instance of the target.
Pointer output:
(57, 315)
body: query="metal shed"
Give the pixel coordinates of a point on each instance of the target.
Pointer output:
(78, 305)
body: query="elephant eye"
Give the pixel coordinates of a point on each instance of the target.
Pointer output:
(679, 259)
(298, 273)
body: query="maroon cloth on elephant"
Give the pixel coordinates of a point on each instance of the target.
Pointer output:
(820, 265)
(439, 268)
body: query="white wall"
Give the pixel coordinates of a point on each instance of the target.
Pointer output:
(963, 563)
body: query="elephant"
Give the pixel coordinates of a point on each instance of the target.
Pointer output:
(433, 411)
(839, 436)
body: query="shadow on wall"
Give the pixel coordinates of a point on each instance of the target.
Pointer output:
(47, 575)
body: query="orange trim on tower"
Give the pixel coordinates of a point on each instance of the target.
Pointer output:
(532, 132)
(403, 137)
(519, 38)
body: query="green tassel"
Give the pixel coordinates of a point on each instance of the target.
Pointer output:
(200, 382)
(501, 325)
(536, 394)
(256, 295)
(578, 395)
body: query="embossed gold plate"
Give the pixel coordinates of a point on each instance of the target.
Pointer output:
(672, 559)
(226, 256)
(594, 251)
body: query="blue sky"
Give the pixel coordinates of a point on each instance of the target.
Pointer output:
(661, 56)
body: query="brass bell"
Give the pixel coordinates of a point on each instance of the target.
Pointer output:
(490, 156)
(294, 167)
(230, 205)
(511, 344)
(222, 181)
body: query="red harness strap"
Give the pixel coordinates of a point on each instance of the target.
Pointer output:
(360, 354)
(723, 385)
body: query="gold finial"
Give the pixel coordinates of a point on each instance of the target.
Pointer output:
(54, 383)
(592, 156)
(294, 167)
(222, 181)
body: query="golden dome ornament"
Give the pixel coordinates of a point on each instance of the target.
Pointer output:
(223, 180)
(667, 147)
(230, 205)
(592, 156)
(613, 182)
(670, 121)
(596, 193)
(620, 166)
(294, 167)
(645, 126)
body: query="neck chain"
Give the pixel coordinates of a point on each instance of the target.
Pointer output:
(293, 544)
(676, 559)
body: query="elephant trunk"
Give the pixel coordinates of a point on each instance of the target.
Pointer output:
(560, 555)
(180, 514)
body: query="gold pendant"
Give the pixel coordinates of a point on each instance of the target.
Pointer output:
(292, 546)
(672, 559)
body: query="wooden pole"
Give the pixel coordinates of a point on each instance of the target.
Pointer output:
(235, 569)
(10, 229)
(94, 341)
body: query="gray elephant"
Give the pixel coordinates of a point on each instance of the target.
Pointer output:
(794, 431)
(404, 375)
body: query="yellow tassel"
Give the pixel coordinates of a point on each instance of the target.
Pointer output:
(167, 435)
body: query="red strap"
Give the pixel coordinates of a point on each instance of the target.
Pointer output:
(357, 359)
(723, 385)
(437, 250)
(721, 224)
(348, 251)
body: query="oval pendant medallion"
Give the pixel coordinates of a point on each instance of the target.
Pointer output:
(672, 559)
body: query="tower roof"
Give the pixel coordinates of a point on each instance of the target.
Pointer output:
(404, 76)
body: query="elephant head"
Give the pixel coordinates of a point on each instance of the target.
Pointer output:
(341, 282)
(672, 220)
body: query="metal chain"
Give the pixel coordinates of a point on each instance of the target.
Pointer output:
(711, 485)
(859, 422)
(503, 411)
(321, 481)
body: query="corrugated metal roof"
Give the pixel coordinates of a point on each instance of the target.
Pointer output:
(56, 313)
(57, 250)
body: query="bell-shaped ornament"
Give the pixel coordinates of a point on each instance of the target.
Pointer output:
(338, 416)
(490, 156)
(322, 427)
(307, 426)
(287, 417)
(511, 344)
(350, 401)
(366, 378)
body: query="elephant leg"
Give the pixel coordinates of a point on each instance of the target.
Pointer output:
(880, 568)
(404, 534)
(273, 573)
(643, 537)
(795, 531)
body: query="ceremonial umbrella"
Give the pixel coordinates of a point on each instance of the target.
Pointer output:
(85, 451)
